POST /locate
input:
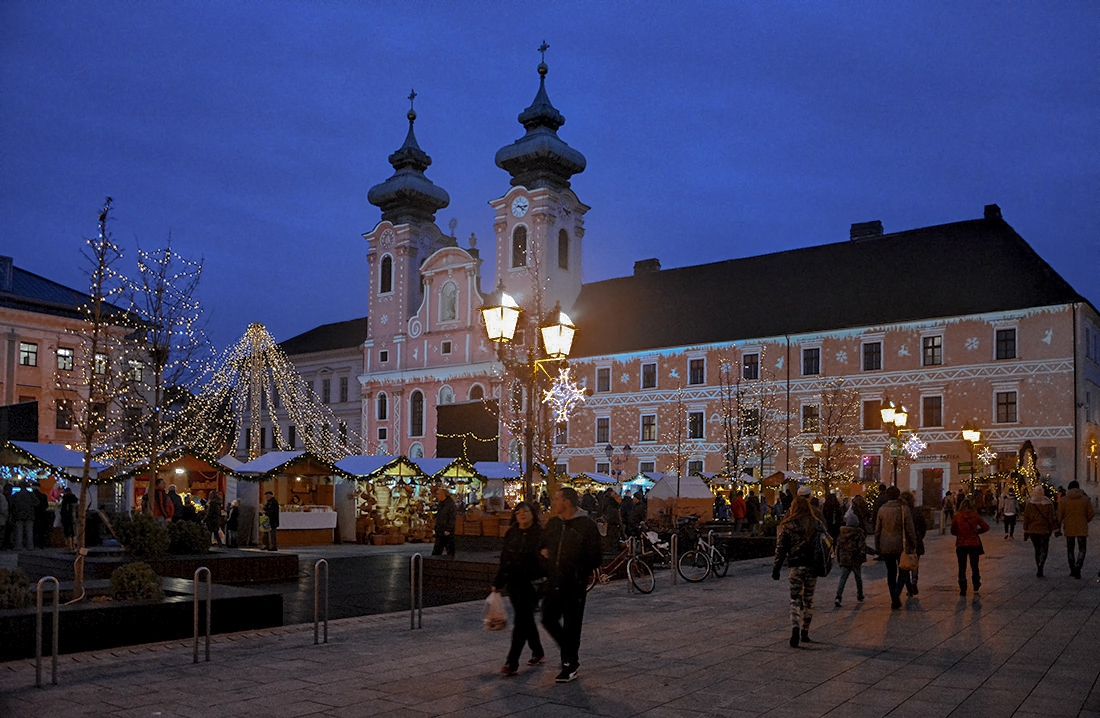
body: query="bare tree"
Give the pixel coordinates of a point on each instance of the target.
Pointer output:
(838, 419)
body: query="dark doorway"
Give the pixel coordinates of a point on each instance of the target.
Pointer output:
(931, 487)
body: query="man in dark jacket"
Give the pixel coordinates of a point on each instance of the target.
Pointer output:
(21, 509)
(571, 546)
(445, 515)
(271, 511)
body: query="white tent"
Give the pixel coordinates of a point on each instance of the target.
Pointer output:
(691, 487)
(695, 498)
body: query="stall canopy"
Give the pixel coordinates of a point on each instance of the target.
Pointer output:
(275, 463)
(179, 456)
(779, 478)
(453, 471)
(691, 487)
(507, 470)
(370, 468)
(694, 498)
(18, 458)
(587, 479)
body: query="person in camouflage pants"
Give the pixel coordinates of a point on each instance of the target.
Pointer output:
(794, 545)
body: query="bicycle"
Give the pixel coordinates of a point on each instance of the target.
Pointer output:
(693, 565)
(638, 572)
(719, 564)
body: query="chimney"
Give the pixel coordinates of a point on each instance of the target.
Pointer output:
(6, 272)
(866, 230)
(992, 211)
(647, 266)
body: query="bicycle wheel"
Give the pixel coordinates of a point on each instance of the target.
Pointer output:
(693, 566)
(719, 564)
(641, 575)
(594, 579)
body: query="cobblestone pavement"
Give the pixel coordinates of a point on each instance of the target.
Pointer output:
(1025, 646)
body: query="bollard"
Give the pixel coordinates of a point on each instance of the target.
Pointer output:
(416, 591)
(38, 631)
(316, 605)
(674, 549)
(195, 602)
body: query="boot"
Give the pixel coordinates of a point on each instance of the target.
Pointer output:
(805, 635)
(794, 637)
(962, 588)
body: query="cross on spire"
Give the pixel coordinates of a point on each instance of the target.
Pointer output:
(543, 48)
(412, 97)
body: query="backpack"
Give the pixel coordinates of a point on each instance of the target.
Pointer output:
(823, 553)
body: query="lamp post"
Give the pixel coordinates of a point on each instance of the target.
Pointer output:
(971, 434)
(502, 314)
(616, 462)
(894, 418)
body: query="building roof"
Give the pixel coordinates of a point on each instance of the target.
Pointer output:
(20, 289)
(328, 337)
(962, 268)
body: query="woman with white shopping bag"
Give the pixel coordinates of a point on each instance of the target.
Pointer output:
(522, 573)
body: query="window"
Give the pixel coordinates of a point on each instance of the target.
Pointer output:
(64, 359)
(98, 415)
(697, 371)
(448, 303)
(603, 379)
(382, 407)
(602, 467)
(416, 414)
(931, 411)
(872, 415)
(810, 417)
(263, 436)
(343, 389)
(445, 347)
(131, 425)
(64, 414)
(101, 363)
(603, 430)
(695, 425)
(477, 392)
(416, 451)
(1006, 343)
(872, 356)
(383, 356)
(695, 467)
(871, 468)
(649, 376)
(136, 369)
(446, 395)
(750, 366)
(561, 470)
(28, 354)
(563, 249)
(1006, 407)
(343, 431)
(932, 351)
(274, 437)
(326, 391)
(382, 433)
(385, 280)
(649, 427)
(519, 247)
(647, 467)
(561, 433)
(750, 421)
(811, 361)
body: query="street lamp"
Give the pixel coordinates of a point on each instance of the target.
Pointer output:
(617, 472)
(501, 314)
(971, 434)
(894, 418)
(826, 446)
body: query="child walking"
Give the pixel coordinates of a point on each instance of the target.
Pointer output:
(851, 552)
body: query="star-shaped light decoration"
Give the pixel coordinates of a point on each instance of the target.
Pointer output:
(563, 396)
(987, 456)
(913, 445)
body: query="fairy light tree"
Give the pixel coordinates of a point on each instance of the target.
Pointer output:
(751, 425)
(838, 420)
(675, 438)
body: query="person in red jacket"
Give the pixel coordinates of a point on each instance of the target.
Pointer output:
(162, 505)
(967, 527)
(738, 509)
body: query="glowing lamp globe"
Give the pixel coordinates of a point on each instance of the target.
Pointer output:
(887, 411)
(557, 333)
(501, 314)
(971, 435)
(901, 417)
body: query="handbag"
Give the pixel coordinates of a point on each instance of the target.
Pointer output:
(909, 559)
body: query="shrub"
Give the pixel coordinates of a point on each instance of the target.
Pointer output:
(188, 537)
(15, 589)
(135, 582)
(143, 536)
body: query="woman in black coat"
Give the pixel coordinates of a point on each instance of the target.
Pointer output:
(520, 566)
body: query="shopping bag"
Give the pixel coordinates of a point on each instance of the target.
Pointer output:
(496, 618)
(908, 561)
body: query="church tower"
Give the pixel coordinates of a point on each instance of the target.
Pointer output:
(539, 222)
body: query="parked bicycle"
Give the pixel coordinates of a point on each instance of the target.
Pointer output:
(694, 564)
(638, 572)
(719, 564)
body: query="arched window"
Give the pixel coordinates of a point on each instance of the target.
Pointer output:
(383, 408)
(448, 302)
(477, 392)
(416, 414)
(416, 451)
(446, 395)
(519, 247)
(385, 281)
(563, 249)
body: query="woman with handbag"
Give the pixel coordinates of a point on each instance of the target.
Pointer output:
(910, 558)
(894, 533)
(967, 528)
(520, 570)
(1040, 521)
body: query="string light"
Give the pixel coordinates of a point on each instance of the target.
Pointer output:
(563, 396)
(914, 445)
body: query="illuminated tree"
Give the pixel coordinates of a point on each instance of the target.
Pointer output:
(838, 422)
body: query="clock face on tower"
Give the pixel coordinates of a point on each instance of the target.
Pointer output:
(387, 239)
(519, 206)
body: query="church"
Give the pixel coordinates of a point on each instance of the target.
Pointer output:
(731, 363)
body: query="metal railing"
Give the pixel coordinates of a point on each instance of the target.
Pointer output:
(416, 591)
(209, 595)
(321, 563)
(38, 630)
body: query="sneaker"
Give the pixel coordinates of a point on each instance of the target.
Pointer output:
(536, 661)
(837, 603)
(508, 670)
(568, 674)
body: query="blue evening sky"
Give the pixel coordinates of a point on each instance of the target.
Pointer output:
(252, 130)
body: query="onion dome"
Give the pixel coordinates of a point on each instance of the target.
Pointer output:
(408, 196)
(540, 158)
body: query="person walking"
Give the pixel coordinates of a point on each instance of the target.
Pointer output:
(1040, 521)
(520, 567)
(571, 547)
(1008, 507)
(213, 517)
(967, 528)
(851, 552)
(446, 514)
(177, 504)
(232, 523)
(68, 517)
(752, 511)
(893, 531)
(1074, 514)
(794, 545)
(163, 507)
(613, 517)
(271, 511)
(22, 507)
(909, 578)
(834, 517)
(738, 511)
(948, 508)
